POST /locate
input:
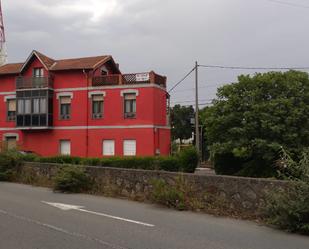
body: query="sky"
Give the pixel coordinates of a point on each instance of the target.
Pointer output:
(166, 36)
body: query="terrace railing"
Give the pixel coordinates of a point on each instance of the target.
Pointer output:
(129, 79)
(33, 82)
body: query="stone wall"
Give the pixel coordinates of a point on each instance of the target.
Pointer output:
(237, 196)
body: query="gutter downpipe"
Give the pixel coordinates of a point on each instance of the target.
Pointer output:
(87, 113)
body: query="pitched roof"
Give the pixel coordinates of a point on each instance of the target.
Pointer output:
(79, 63)
(58, 65)
(48, 62)
(12, 68)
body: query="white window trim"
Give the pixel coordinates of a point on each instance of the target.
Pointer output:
(65, 94)
(123, 92)
(6, 98)
(90, 94)
(10, 135)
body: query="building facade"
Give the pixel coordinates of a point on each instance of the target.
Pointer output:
(82, 107)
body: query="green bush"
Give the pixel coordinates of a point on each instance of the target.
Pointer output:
(167, 195)
(188, 159)
(185, 161)
(72, 179)
(289, 209)
(8, 163)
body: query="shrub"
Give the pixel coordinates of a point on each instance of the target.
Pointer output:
(289, 209)
(167, 195)
(60, 159)
(8, 163)
(72, 179)
(188, 159)
(185, 161)
(178, 195)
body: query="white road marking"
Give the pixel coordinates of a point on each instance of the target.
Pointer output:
(67, 207)
(61, 230)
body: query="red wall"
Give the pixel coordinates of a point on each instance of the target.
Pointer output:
(151, 112)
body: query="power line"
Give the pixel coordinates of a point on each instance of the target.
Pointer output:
(289, 4)
(202, 87)
(254, 68)
(179, 82)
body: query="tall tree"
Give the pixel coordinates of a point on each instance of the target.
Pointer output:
(252, 119)
(181, 122)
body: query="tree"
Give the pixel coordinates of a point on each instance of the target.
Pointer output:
(251, 120)
(181, 122)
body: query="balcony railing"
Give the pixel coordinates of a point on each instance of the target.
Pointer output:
(129, 79)
(33, 82)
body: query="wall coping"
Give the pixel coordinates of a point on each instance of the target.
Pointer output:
(160, 172)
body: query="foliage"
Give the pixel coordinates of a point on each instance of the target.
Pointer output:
(288, 169)
(289, 208)
(167, 195)
(186, 161)
(252, 119)
(8, 163)
(181, 122)
(71, 179)
(177, 196)
(188, 158)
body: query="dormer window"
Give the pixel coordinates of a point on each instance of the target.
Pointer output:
(104, 71)
(38, 72)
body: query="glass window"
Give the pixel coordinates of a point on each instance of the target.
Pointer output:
(36, 106)
(65, 147)
(129, 105)
(108, 147)
(129, 147)
(38, 72)
(11, 109)
(65, 107)
(21, 106)
(97, 106)
(43, 108)
(27, 106)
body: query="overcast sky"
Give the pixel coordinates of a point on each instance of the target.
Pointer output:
(164, 35)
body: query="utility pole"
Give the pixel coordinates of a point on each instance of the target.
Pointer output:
(2, 39)
(197, 131)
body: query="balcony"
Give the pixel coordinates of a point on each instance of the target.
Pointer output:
(33, 82)
(129, 79)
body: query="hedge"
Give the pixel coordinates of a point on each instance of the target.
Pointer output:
(185, 161)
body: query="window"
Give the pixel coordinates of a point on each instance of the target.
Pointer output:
(38, 72)
(21, 106)
(129, 147)
(97, 106)
(108, 147)
(11, 109)
(65, 107)
(129, 105)
(65, 147)
(27, 109)
(39, 105)
(36, 106)
(11, 142)
(104, 71)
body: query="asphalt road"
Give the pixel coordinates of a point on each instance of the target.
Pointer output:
(30, 218)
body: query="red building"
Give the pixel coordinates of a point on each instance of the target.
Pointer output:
(83, 107)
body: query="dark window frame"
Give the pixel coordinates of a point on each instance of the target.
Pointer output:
(129, 114)
(65, 116)
(100, 103)
(11, 115)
